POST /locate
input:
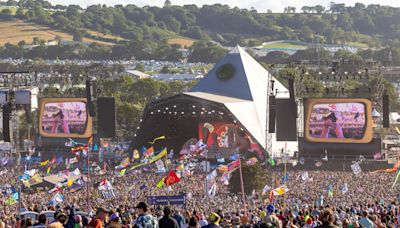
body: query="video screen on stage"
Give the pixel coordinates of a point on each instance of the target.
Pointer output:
(226, 137)
(66, 117)
(338, 120)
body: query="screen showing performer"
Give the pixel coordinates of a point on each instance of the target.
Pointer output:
(337, 120)
(64, 118)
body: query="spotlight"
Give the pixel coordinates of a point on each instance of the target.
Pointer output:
(182, 113)
(193, 113)
(158, 110)
(203, 109)
(140, 120)
(166, 108)
(193, 106)
(134, 135)
(174, 106)
(234, 121)
(151, 113)
(201, 113)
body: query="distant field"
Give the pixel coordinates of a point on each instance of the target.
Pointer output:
(183, 41)
(106, 36)
(14, 31)
(357, 44)
(283, 45)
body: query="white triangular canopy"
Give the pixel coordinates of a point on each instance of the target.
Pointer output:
(245, 94)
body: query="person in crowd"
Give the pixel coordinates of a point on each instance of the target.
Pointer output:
(327, 218)
(100, 218)
(167, 221)
(214, 220)
(365, 222)
(145, 219)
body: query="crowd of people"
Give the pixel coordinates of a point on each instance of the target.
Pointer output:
(316, 199)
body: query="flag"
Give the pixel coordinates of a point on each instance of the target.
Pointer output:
(44, 163)
(73, 160)
(75, 173)
(53, 160)
(57, 198)
(48, 170)
(285, 178)
(252, 161)
(397, 177)
(149, 152)
(156, 139)
(356, 168)
(107, 194)
(302, 161)
(30, 172)
(304, 176)
(160, 184)
(280, 191)
(294, 163)
(136, 154)
(223, 168)
(377, 156)
(344, 188)
(171, 178)
(233, 165)
(160, 166)
(77, 185)
(136, 166)
(213, 190)
(221, 160)
(211, 176)
(35, 179)
(60, 159)
(234, 157)
(330, 193)
(266, 189)
(125, 162)
(159, 155)
(12, 199)
(271, 161)
(122, 172)
(70, 182)
(9, 190)
(105, 185)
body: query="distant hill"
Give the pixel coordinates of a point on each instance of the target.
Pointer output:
(14, 31)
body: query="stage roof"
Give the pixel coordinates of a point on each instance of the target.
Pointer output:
(245, 94)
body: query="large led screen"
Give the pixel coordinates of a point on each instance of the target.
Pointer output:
(64, 117)
(338, 120)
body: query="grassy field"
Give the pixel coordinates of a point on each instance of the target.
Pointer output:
(283, 45)
(14, 31)
(183, 41)
(105, 36)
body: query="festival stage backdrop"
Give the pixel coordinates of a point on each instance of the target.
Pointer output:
(338, 120)
(64, 118)
(226, 137)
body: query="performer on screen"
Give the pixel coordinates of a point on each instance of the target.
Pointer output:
(59, 121)
(330, 122)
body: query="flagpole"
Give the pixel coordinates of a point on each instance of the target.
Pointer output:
(242, 186)
(88, 178)
(284, 194)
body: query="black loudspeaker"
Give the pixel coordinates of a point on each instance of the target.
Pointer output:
(106, 117)
(286, 120)
(272, 114)
(89, 96)
(385, 110)
(291, 89)
(6, 122)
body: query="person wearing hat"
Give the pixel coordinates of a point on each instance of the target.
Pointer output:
(145, 220)
(114, 221)
(214, 221)
(271, 217)
(98, 221)
(167, 221)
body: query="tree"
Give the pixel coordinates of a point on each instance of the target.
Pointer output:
(319, 9)
(6, 12)
(78, 36)
(140, 67)
(254, 178)
(167, 3)
(20, 14)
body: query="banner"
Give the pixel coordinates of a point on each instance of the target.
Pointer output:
(165, 200)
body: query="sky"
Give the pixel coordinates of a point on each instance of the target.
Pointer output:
(259, 5)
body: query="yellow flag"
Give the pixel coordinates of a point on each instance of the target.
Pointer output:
(159, 156)
(136, 166)
(44, 163)
(280, 191)
(48, 170)
(160, 184)
(122, 172)
(158, 138)
(70, 182)
(136, 154)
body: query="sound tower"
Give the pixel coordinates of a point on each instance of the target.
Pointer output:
(89, 97)
(6, 122)
(385, 110)
(106, 117)
(271, 116)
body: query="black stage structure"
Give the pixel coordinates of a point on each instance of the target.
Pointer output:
(234, 91)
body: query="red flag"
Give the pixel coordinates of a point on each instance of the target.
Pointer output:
(149, 152)
(171, 179)
(53, 160)
(233, 165)
(271, 197)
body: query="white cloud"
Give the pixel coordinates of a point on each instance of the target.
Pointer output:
(260, 5)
